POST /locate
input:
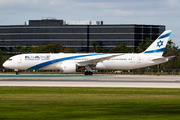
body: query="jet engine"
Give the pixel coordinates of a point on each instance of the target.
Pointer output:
(68, 67)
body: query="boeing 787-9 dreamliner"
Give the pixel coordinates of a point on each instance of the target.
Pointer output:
(69, 63)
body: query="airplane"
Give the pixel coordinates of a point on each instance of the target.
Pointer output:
(70, 62)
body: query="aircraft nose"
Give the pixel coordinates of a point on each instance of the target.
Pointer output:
(5, 64)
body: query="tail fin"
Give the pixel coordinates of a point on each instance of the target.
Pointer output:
(158, 46)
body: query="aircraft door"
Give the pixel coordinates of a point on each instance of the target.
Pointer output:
(20, 60)
(138, 59)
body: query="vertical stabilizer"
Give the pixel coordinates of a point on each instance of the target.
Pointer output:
(158, 46)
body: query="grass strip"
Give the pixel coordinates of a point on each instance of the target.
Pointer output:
(89, 103)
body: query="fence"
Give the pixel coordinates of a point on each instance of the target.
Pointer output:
(125, 72)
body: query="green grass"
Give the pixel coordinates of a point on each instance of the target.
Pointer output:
(89, 103)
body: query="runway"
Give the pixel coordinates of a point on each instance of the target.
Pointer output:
(135, 81)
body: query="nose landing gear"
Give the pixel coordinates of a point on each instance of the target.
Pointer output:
(17, 72)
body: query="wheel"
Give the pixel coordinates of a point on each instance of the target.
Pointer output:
(88, 73)
(17, 73)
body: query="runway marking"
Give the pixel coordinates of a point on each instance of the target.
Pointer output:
(89, 81)
(137, 81)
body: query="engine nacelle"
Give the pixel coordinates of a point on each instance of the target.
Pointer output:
(68, 67)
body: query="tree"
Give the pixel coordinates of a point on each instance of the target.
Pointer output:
(94, 44)
(18, 48)
(52, 48)
(21, 49)
(144, 45)
(69, 50)
(103, 50)
(171, 44)
(30, 49)
(3, 57)
(121, 49)
(171, 50)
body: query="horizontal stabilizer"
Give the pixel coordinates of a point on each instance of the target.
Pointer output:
(163, 58)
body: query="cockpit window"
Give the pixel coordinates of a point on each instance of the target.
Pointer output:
(9, 59)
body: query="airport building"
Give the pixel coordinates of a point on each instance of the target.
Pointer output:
(76, 34)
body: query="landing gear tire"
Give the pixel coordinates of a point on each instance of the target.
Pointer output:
(91, 73)
(88, 73)
(17, 73)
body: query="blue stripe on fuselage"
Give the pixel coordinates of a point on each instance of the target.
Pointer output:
(41, 65)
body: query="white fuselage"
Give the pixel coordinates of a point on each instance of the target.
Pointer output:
(53, 61)
(68, 63)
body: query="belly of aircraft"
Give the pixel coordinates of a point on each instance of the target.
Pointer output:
(114, 65)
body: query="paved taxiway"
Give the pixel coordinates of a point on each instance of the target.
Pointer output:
(137, 81)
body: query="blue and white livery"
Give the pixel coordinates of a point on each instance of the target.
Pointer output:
(69, 63)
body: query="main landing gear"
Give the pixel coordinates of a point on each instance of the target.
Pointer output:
(88, 73)
(88, 70)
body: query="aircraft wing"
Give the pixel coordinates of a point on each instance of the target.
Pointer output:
(96, 60)
(164, 58)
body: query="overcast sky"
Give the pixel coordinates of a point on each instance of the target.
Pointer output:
(152, 12)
